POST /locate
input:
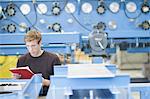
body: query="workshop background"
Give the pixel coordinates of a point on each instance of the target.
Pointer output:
(79, 32)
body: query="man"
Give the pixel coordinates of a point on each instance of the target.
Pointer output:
(38, 60)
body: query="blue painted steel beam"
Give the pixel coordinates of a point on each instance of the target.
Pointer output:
(128, 34)
(21, 49)
(18, 38)
(138, 50)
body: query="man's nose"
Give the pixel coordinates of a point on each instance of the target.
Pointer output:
(30, 48)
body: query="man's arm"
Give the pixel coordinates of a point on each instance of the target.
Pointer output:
(46, 82)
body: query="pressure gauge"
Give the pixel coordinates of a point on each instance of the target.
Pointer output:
(98, 41)
(56, 27)
(145, 8)
(145, 25)
(10, 10)
(70, 8)
(86, 7)
(11, 28)
(101, 26)
(42, 8)
(101, 9)
(22, 27)
(114, 7)
(131, 7)
(56, 9)
(25, 9)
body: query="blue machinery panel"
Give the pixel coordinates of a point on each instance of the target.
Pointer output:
(63, 29)
(125, 28)
(118, 87)
(142, 88)
(80, 88)
(30, 89)
(51, 42)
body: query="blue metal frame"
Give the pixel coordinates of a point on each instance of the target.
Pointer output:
(60, 83)
(82, 23)
(142, 88)
(59, 43)
(31, 89)
(18, 38)
(21, 49)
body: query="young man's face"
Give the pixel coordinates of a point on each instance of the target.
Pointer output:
(34, 48)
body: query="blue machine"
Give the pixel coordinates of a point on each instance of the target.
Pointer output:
(51, 42)
(21, 88)
(142, 88)
(101, 24)
(63, 87)
(96, 26)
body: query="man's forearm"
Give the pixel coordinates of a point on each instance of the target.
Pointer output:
(46, 82)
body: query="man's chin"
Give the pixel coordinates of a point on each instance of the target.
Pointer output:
(33, 54)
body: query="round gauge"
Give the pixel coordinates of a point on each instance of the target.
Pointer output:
(11, 28)
(101, 9)
(25, 9)
(22, 27)
(145, 25)
(86, 7)
(114, 7)
(131, 7)
(98, 41)
(70, 8)
(145, 8)
(56, 10)
(10, 10)
(56, 27)
(101, 26)
(42, 8)
(112, 25)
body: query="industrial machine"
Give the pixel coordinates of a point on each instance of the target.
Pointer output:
(78, 81)
(21, 88)
(88, 81)
(102, 24)
(96, 27)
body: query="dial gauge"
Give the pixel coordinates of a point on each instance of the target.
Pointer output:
(86, 7)
(114, 7)
(70, 8)
(42, 8)
(131, 7)
(25, 9)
